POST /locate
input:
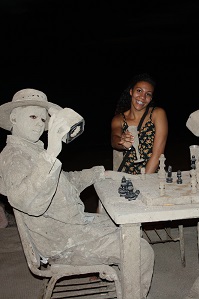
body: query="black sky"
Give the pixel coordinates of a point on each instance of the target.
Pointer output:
(82, 54)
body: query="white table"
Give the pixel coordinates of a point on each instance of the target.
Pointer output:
(131, 214)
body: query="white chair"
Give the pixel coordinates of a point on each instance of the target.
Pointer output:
(67, 281)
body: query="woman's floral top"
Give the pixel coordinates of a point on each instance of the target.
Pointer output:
(146, 138)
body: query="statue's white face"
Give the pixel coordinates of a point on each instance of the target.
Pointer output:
(28, 122)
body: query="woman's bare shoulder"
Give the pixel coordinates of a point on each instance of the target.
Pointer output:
(159, 115)
(158, 111)
(117, 117)
(117, 121)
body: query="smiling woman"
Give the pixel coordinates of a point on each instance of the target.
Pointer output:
(135, 110)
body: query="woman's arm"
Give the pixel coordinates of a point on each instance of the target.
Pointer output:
(160, 121)
(119, 140)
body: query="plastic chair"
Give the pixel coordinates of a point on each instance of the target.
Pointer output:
(67, 281)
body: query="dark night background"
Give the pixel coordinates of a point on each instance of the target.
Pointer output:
(82, 54)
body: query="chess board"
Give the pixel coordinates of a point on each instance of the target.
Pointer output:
(173, 193)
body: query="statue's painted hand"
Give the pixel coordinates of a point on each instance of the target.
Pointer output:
(57, 129)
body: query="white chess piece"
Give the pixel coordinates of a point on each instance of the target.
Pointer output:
(162, 187)
(162, 172)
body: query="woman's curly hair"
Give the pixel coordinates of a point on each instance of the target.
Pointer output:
(124, 102)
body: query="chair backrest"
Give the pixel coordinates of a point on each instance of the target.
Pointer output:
(57, 271)
(32, 257)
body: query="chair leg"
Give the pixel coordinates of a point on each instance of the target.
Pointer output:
(182, 247)
(43, 288)
(50, 287)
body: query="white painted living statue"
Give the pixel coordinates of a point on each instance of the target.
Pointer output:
(48, 197)
(193, 125)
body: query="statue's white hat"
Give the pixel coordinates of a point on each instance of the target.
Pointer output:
(22, 98)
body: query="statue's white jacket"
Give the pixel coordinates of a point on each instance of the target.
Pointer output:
(49, 199)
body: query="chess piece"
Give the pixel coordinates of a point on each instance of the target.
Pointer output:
(193, 162)
(161, 171)
(130, 190)
(134, 195)
(123, 187)
(169, 178)
(131, 195)
(162, 187)
(179, 177)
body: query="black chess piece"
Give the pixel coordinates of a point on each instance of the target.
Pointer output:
(129, 184)
(193, 162)
(134, 195)
(130, 193)
(123, 187)
(130, 190)
(179, 177)
(169, 178)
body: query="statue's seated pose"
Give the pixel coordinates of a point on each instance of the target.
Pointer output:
(48, 197)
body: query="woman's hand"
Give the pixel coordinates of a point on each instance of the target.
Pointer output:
(126, 140)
